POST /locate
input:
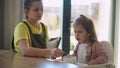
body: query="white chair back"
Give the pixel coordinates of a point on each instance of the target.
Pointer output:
(109, 50)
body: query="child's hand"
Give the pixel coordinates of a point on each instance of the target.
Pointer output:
(92, 62)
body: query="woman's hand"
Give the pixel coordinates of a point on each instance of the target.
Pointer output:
(56, 52)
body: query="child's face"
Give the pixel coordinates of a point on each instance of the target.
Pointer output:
(81, 34)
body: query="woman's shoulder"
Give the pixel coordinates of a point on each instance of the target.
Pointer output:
(21, 24)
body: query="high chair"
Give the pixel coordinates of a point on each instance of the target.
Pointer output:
(108, 49)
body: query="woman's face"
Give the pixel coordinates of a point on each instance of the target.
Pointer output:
(81, 34)
(36, 11)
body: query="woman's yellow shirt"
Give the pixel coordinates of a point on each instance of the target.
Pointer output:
(22, 32)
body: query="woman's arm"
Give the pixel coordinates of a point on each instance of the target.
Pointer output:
(37, 52)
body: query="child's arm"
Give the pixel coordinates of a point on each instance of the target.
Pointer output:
(101, 56)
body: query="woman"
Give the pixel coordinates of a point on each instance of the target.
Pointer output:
(30, 35)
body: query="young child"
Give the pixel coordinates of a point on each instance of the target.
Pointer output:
(88, 50)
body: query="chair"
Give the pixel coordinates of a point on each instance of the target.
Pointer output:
(108, 49)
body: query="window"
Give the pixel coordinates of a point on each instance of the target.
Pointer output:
(52, 16)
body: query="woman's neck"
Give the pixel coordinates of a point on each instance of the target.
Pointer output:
(33, 22)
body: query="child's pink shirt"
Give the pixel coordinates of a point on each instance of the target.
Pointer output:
(95, 54)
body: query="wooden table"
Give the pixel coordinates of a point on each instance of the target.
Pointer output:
(9, 59)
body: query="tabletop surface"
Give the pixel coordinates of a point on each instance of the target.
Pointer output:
(9, 59)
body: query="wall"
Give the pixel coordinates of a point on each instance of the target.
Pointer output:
(1, 24)
(12, 15)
